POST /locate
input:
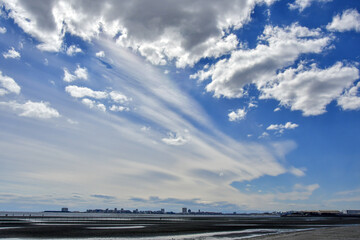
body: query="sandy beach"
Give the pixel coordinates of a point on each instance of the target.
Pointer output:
(333, 233)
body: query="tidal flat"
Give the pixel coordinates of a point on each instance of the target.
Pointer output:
(162, 226)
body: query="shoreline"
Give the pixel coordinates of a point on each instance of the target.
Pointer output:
(326, 233)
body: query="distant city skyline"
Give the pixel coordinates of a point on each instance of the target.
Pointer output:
(223, 106)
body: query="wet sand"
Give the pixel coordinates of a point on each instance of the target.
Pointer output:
(333, 233)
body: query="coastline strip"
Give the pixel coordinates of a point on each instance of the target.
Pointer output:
(332, 233)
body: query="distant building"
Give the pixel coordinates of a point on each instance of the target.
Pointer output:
(64, 209)
(162, 211)
(352, 211)
(184, 210)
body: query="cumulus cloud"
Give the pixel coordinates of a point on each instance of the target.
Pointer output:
(118, 97)
(264, 135)
(86, 93)
(93, 104)
(72, 50)
(100, 54)
(2, 30)
(237, 115)
(80, 73)
(11, 53)
(8, 85)
(68, 77)
(115, 108)
(280, 128)
(310, 89)
(349, 20)
(145, 128)
(159, 31)
(252, 104)
(174, 139)
(302, 4)
(350, 100)
(278, 48)
(31, 109)
(80, 92)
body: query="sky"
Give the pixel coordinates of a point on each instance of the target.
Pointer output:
(238, 105)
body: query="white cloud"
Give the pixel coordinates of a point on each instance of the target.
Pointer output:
(68, 77)
(158, 31)
(73, 122)
(174, 139)
(281, 127)
(115, 108)
(72, 50)
(297, 172)
(93, 104)
(80, 92)
(264, 135)
(80, 73)
(349, 192)
(349, 20)
(350, 100)
(31, 109)
(147, 168)
(310, 89)
(259, 66)
(118, 97)
(2, 30)
(252, 104)
(145, 128)
(277, 109)
(100, 54)
(237, 115)
(12, 53)
(8, 85)
(300, 192)
(302, 4)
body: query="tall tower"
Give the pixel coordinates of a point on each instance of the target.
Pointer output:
(184, 210)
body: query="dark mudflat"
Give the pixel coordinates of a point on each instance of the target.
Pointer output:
(16, 227)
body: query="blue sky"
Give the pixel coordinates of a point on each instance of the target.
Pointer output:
(219, 106)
